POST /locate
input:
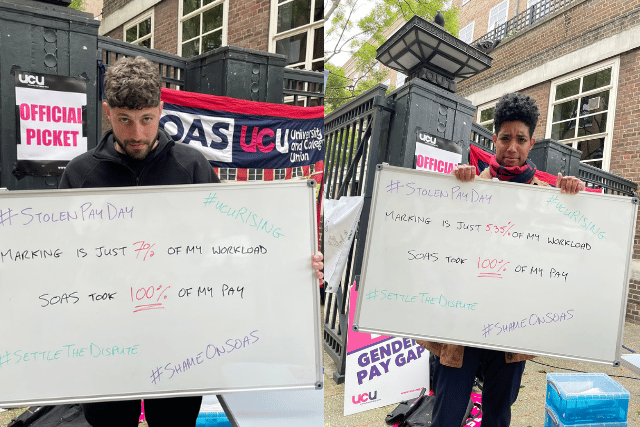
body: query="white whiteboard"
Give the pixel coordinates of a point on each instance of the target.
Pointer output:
(123, 293)
(521, 287)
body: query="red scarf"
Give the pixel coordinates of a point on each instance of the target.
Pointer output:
(523, 174)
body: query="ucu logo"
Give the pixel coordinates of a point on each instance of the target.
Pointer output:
(32, 80)
(364, 397)
(427, 138)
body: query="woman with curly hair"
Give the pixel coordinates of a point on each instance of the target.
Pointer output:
(455, 368)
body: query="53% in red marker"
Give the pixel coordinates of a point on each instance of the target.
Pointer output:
(502, 230)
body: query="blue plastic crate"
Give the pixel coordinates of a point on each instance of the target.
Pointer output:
(212, 419)
(587, 398)
(552, 419)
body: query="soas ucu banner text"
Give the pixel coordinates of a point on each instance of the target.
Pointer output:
(235, 133)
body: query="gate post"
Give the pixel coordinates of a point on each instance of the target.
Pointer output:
(237, 73)
(423, 108)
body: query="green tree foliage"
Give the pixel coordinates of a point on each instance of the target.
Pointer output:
(338, 88)
(77, 4)
(370, 36)
(340, 31)
(341, 89)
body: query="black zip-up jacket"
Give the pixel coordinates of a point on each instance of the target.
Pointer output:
(168, 164)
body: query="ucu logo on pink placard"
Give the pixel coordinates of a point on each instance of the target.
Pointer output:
(364, 397)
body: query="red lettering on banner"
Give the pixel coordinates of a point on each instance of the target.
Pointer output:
(250, 148)
(31, 133)
(261, 135)
(72, 116)
(47, 113)
(433, 164)
(449, 168)
(57, 138)
(24, 112)
(46, 137)
(56, 113)
(74, 135)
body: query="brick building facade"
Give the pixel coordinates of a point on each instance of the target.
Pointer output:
(582, 65)
(188, 28)
(191, 27)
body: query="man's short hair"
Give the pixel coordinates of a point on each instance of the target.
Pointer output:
(132, 83)
(516, 107)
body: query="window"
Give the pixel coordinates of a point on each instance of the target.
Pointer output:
(203, 26)
(485, 116)
(581, 112)
(466, 33)
(279, 174)
(254, 175)
(227, 174)
(140, 31)
(296, 172)
(400, 79)
(537, 9)
(298, 32)
(498, 15)
(465, 2)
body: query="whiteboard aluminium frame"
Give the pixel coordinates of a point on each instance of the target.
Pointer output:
(317, 384)
(361, 283)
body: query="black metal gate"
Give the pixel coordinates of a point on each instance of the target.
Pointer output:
(357, 140)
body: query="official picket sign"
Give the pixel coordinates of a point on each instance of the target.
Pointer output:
(52, 130)
(436, 154)
(110, 294)
(497, 265)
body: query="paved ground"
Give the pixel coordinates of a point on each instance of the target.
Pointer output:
(528, 411)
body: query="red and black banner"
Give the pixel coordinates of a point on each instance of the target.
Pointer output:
(234, 133)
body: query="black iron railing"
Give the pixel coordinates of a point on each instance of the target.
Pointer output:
(303, 88)
(172, 68)
(610, 183)
(356, 141)
(482, 137)
(524, 19)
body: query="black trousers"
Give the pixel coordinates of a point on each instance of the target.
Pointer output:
(453, 386)
(169, 412)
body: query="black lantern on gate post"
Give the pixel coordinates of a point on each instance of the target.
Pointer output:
(435, 61)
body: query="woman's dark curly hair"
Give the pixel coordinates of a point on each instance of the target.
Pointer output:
(516, 107)
(132, 83)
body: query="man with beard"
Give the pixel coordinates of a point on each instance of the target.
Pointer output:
(136, 152)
